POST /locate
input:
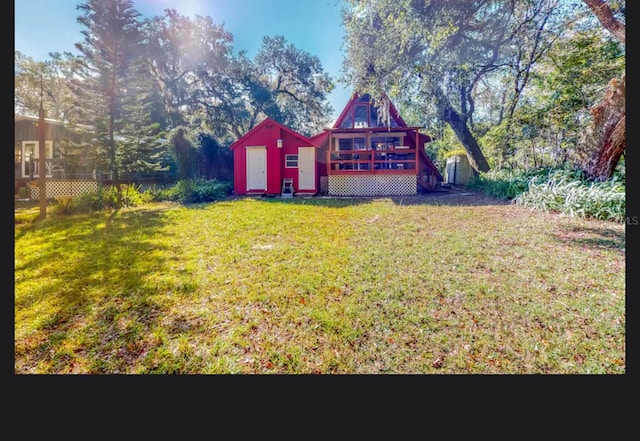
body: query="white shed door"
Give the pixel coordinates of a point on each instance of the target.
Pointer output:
(256, 168)
(306, 168)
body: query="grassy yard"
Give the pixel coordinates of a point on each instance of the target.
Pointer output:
(426, 285)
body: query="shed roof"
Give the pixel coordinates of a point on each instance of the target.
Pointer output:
(320, 138)
(266, 121)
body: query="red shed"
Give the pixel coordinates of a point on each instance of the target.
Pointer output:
(269, 153)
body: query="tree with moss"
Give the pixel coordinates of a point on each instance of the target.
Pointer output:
(51, 77)
(441, 52)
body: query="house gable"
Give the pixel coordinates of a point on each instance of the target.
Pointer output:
(362, 112)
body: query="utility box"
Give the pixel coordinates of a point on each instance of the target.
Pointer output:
(458, 171)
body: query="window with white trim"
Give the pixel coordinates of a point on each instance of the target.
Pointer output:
(291, 161)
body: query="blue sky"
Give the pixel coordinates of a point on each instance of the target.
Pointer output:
(43, 26)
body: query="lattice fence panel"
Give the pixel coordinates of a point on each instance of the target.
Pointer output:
(61, 188)
(373, 185)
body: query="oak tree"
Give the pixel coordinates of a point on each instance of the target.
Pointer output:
(606, 136)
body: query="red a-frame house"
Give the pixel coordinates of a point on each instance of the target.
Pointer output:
(363, 155)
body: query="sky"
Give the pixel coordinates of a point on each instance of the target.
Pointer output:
(314, 26)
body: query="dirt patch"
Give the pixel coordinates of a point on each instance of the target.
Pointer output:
(451, 196)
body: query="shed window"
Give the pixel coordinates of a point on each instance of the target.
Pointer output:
(291, 161)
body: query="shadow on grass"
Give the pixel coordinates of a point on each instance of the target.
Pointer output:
(457, 197)
(117, 250)
(453, 198)
(592, 237)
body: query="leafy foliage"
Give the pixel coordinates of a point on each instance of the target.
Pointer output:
(504, 183)
(297, 84)
(193, 191)
(47, 81)
(204, 85)
(189, 60)
(185, 154)
(451, 49)
(125, 196)
(605, 200)
(216, 160)
(517, 77)
(563, 191)
(109, 197)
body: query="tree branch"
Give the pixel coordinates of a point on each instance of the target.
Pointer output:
(605, 16)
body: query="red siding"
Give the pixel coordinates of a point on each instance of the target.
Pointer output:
(267, 134)
(290, 146)
(240, 171)
(274, 161)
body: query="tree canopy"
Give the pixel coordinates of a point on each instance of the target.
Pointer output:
(483, 68)
(138, 81)
(516, 83)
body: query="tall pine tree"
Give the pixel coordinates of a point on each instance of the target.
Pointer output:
(111, 44)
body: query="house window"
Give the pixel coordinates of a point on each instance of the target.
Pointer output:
(361, 114)
(30, 155)
(351, 143)
(290, 161)
(347, 123)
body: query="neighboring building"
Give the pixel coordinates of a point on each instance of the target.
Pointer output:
(269, 153)
(68, 172)
(71, 163)
(361, 155)
(458, 171)
(26, 148)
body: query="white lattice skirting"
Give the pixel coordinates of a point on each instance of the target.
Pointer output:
(373, 185)
(56, 189)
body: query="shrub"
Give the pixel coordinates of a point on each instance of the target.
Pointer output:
(576, 197)
(114, 198)
(197, 191)
(110, 197)
(155, 194)
(456, 152)
(501, 184)
(559, 190)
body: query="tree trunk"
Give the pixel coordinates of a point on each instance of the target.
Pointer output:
(604, 161)
(476, 159)
(42, 166)
(604, 14)
(606, 140)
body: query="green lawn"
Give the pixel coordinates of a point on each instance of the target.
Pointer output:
(428, 285)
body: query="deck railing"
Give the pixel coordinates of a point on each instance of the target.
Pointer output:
(372, 161)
